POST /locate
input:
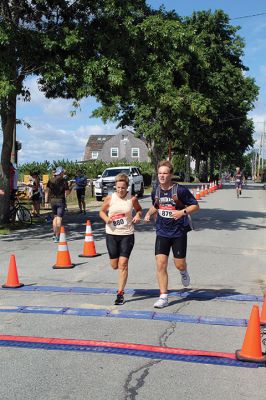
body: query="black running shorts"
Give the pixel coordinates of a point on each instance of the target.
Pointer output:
(80, 194)
(58, 209)
(119, 245)
(178, 245)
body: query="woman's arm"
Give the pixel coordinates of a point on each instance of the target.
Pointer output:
(137, 207)
(104, 209)
(151, 211)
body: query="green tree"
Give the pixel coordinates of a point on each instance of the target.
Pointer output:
(74, 47)
(232, 94)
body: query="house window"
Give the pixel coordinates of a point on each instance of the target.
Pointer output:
(135, 152)
(114, 151)
(94, 155)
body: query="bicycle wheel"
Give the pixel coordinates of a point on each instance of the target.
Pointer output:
(12, 214)
(24, 215)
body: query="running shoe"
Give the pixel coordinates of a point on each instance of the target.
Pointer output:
(161, 302)
(185, 278)
(240, 192)
(119, 301)
(56, 239)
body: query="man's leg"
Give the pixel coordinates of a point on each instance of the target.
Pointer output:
(181, 265)
(180, 252)
(57, 222)
(161, 272)
(83, 203)
(162, 278)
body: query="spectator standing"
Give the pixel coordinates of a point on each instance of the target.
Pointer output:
(58, 189)
(80, 187)
(36, 197)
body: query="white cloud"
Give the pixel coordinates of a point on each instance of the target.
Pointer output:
(45, 142)
(53, 107)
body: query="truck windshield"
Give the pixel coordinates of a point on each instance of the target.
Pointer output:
(114, 172)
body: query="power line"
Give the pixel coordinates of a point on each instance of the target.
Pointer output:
(249, 16)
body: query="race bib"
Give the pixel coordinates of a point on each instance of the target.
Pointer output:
(166, 211)
(119, 221)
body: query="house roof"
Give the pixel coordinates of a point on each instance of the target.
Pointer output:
(96, 142)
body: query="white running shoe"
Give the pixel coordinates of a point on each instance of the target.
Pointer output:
(161, 302)
(185, 278)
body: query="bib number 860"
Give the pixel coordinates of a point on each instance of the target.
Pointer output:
(118, 222)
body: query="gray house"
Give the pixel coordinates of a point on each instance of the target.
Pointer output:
(123, 146)
(94, 146)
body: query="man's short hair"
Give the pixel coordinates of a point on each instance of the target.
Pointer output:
(165, 163)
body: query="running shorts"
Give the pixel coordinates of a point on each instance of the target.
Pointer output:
(178, 245)
(58, 209)
(80, 194)
(119, 245)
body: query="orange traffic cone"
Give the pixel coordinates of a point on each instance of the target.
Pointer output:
(89, 246)
(263, 312)
(206, 190)
(202, 192)
(12, 277)
(251, 348)
(63, 257)
(197, 194)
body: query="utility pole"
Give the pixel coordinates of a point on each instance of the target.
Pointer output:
(261, 153)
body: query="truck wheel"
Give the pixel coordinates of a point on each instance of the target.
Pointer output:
(141, 192)
(99, 198)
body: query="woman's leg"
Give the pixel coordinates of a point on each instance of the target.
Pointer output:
(123, 273)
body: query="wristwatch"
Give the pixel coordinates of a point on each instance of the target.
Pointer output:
(185, 211)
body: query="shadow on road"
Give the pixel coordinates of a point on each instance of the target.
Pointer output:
(208, 218)
(185, 295)
(231, 220)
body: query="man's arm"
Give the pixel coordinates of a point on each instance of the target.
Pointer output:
(151, 211)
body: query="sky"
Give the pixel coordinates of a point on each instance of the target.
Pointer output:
(55, 135)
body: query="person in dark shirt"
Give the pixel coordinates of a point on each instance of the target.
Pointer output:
(58, 189)
(172, 207)
(36, 193)
(80, 187)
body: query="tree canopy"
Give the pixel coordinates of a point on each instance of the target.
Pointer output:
(179, 82)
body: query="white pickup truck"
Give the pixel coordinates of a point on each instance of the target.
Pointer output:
(105, 184)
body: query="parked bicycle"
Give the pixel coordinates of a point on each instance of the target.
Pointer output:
(18, 212)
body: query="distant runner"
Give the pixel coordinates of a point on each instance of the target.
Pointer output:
(239, 180)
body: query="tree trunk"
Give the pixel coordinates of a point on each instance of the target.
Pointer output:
(187, 173)
(211, 166)
(8, 121)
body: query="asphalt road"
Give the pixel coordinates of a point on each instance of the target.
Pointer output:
(226, 259)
